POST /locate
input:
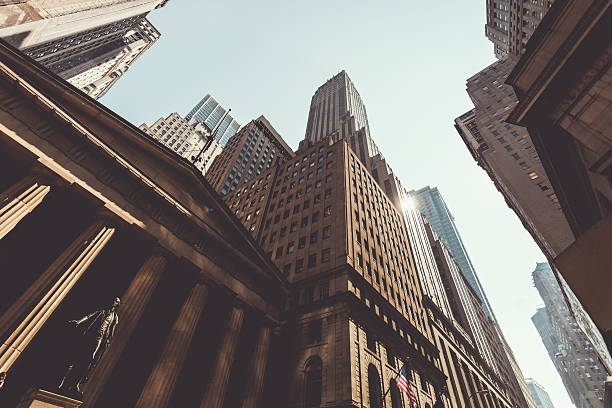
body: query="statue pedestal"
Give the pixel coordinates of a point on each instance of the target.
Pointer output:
(37, 398)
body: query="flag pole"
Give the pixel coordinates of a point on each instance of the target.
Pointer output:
(390, 386)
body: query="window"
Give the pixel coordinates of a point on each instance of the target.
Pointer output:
(279, 252)
(317, 199)
(325, 255)
(304, 222)
(301, 242)
(315, 217)
(306, 204)
(286, 269)
(324, 290)
(283, 232)
(328, 193)
(326, 231)
(318, 184)
(314, 236)
(314, 382)
(273, 237)
(286, 214)
(277, 219)
(532, 175)
(293, 226)
(330, 165)
(312, 260)
(299, 265)
(327, 211)
(309, 188)
(516, 156)
(290, 247)
(296, 209)
(390, 357)
(370, 341)
(328, 178)
(314, 331)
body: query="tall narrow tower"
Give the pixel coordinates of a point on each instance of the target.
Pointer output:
(337, 111)
(430, 202)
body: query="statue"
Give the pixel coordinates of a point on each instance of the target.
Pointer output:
(96, 330)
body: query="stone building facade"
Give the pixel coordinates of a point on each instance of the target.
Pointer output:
(186, 139)
(89, 43)
(563, 87)
(358, 299)
(27, 23)
(507, 153)
(510, 24)
(248, 153)
(92, 208)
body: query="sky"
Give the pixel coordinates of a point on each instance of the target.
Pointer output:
(409, 61)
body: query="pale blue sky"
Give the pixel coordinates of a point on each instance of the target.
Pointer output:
(408, 59)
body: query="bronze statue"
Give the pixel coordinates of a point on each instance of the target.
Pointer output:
(96, 330)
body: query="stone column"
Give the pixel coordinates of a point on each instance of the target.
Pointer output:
(134, 301)
(20, 199)
(257, 369)
(161, 382)
(215, 392)
(41, 299)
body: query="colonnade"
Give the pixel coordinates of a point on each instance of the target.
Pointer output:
(24, 318)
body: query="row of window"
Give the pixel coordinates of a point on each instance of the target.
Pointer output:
(299, 263)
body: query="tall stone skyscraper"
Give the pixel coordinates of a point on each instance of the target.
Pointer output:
(430, 202)
(580, 366)
(369, 296)
(539, 394)
(27, 23)
(210, 112)
(184, 139)
(337, 111)
(93, 60)
(507, 153)
(247, 154)
(89, 43)
(510, 24)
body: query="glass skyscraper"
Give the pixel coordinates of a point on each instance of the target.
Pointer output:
(539, 394)
(431, 204)
(210, 112)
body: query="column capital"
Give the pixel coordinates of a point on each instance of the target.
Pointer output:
(40, 172)
(161, 251)
(107, 217)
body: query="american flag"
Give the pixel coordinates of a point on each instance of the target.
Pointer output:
(404, 385)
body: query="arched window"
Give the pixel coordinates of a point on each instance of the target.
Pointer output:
(396, 401)
(314, 381)
(374, 387)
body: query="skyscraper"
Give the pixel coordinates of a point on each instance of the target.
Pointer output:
(510, 24)
(209, 112)
(430, 202)
(362, 301)
(577, 361)
(507, 153)
(337, 111)
(539, 394)
(91, 44)
(93, 60)
(249, 153)
(27, 23)
(186, 140)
